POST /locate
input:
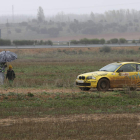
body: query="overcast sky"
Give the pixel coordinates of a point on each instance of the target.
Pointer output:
(52, 7)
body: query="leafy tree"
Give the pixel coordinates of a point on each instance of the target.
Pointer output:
(133, 41)
(94, 41)
(23, 42)
(5, 42)
(74, 42)
(102, 41)
(108, 42)
(92, 16)
(40, 14)
(41, 42)
(49, 42)
(122, 40)
(114, 40)
(84, 41)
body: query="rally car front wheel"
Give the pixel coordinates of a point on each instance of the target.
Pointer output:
(103, 85)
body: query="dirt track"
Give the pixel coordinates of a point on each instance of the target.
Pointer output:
(69, 118)
(34, 90)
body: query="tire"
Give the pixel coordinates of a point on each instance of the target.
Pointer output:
(85, 88)
(103, 85)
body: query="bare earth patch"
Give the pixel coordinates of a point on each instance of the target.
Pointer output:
(34, 90)
(69, 118)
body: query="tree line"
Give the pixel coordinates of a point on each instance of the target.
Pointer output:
(101, 41)
(74, 42)
(24, 42)
(116, 21)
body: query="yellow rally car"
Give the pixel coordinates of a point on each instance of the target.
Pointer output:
(114, 75)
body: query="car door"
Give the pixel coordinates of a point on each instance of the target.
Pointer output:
(126, 75)
(137, 76)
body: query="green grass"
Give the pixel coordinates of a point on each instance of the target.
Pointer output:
(67, 103)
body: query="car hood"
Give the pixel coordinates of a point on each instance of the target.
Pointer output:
(95, 73)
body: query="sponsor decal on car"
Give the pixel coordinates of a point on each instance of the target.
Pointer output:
(137, 76)
(124, 74)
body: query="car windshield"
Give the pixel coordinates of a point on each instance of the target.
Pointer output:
(111, 67)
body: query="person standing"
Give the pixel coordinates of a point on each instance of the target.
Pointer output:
(10, 75)
(2, 70)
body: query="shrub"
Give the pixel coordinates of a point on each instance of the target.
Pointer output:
(74, 42)
(131, 52)
(122, 40)
(94, 41)
(133, 41)
(102, 41)
(108, 42)
(5, 42)
(105, 49)
(84, 41)
(23, 42)
(121, 51)
(49, 42)
(114, 40)
(81, 52)
(30, 94)
(41, 42)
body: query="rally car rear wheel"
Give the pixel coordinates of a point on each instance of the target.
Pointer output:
(103, 85)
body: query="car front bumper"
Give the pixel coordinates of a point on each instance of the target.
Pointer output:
(89, 83)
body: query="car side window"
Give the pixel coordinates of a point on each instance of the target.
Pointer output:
(128, 68)
(137, 67)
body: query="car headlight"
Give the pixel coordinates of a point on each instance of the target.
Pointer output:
(91, 77)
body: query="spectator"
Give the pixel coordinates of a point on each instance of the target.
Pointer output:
(2, 70)
(10, 75)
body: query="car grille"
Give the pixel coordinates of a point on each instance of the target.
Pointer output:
(82, 77)
(83, 84)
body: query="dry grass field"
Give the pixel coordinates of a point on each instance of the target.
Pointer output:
(83, 127)
(44, 102)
